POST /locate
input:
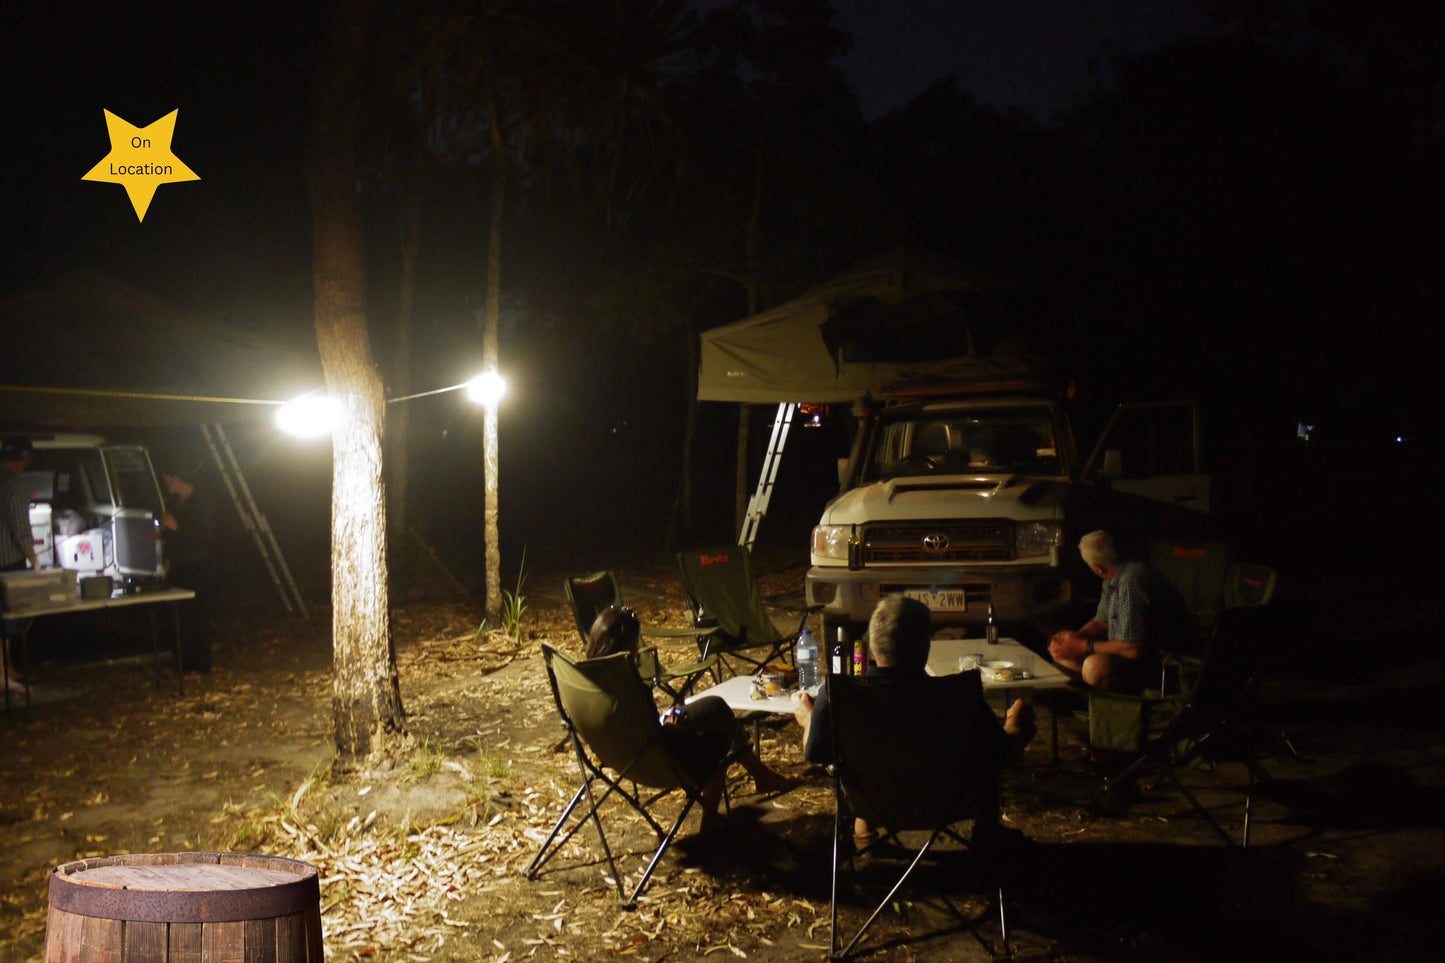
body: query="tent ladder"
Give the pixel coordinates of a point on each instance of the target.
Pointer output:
(251, 515)
(758, 505)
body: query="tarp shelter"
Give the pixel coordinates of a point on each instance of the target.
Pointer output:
(88, 351)
(904, 316)
(81, 350)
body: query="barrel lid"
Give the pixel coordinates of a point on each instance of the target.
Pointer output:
(185, 887)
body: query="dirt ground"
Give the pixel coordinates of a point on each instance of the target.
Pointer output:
(422, 858)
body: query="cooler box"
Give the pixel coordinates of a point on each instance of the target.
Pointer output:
(40, 528)
(87, 552)
(23, 590)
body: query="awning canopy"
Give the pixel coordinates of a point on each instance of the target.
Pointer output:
(906, 316)
(89, 351)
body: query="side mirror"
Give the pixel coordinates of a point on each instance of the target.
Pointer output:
(1113, 464)
(842, 474)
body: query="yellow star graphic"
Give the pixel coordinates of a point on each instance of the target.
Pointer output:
(140, 160)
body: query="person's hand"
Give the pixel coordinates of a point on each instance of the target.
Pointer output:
(169, 521)
(803, 711)
(1067, 646)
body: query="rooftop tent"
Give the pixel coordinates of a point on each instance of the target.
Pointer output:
(904, 316)
(77, 345)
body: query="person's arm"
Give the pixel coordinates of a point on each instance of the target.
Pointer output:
(19, 529)
(812, 715)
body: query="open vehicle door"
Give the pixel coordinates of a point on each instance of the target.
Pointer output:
(1151, 450)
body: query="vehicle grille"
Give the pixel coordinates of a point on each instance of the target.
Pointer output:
(986, 540)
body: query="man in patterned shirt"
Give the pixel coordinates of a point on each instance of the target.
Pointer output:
(17, 542)
(1139, 612)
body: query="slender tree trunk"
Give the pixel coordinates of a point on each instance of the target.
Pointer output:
(399, 416)
(366, 697)
(750, 261)
(489, 363)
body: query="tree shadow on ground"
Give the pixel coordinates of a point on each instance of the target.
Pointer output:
(1098, 901)
(1369, 796)
(1168, 902)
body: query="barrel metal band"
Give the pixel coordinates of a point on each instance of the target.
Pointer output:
(183, 906)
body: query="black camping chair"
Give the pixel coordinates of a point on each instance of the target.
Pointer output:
(902, 760)
(612, 724)
(723, 600)
(590, 594)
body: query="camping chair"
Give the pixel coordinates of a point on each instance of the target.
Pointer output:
(612, 724)
(902, 762)
(590, 594)
(1199, 570)
(1203, 722)
(723, 600)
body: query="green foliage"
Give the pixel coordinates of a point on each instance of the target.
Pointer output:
(514, 606)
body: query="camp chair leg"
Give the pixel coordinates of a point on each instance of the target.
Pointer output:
(918, 857)
(1003, 927)
(545, 853)
(837, 852)
(631, 902)
(1173, 777)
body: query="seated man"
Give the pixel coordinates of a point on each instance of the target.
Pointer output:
(899, 637)
(1139, 611)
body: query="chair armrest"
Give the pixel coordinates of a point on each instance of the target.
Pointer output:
(803, 622)
(679, 633)
(690, 668)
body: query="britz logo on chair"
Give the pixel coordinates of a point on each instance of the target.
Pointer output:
(711, 559)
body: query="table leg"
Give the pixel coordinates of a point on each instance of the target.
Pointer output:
(155, 648)
(5, 660)
(176, 638)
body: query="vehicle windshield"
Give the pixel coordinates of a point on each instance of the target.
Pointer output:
(991, 440)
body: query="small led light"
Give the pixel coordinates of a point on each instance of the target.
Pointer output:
(310, 416)
(486, 389)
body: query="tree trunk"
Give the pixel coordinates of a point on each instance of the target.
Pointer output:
(399, 416)
(366, 697)
(489, 363)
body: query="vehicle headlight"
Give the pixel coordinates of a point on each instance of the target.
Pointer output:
(831, 541)
(1033, 538)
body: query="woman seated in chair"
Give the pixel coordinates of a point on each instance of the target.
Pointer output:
(700, 733)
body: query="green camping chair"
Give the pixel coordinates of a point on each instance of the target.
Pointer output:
(902, 760)
(612, 724)
(1203, 719)
(590, 594)
(723, 600)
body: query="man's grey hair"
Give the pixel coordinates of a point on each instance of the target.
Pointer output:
(1098, 548)
(900, 631)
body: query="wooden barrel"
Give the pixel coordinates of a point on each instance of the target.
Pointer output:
(184, 908)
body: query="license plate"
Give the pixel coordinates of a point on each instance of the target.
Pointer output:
(939, 600)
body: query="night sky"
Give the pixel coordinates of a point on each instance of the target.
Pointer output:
(1291, 291)
(1037, 55)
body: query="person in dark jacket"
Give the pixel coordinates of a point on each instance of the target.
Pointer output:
(899, 637)
(188, 530)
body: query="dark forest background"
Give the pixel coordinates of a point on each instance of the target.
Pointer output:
(1251, 219)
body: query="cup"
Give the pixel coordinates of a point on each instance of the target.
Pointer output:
(968, 663)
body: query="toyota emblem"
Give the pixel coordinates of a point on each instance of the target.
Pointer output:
(935, 542)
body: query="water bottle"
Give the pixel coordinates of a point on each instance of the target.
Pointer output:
(807, 660)
(990, 627)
